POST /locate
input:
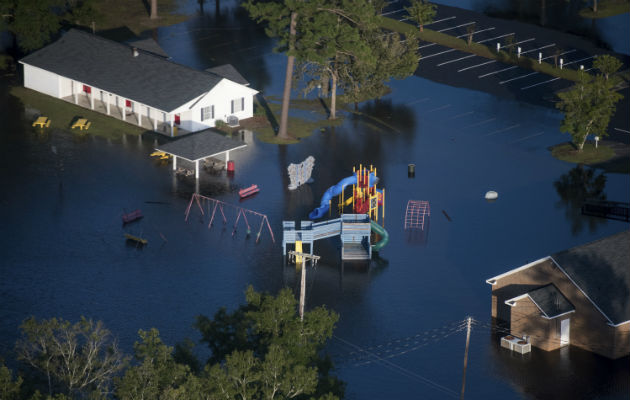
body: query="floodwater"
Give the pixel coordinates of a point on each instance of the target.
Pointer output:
(64, 255)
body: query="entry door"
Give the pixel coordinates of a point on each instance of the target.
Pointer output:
(177, 120)
(565, 328)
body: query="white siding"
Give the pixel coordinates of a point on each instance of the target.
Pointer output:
(41, 80)
(66, 87)
(220, 97)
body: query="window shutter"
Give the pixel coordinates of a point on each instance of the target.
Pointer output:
(242, 103)
(232, 104)
(212, 111)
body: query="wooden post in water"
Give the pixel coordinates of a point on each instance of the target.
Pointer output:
(466, 356)
(302, 291)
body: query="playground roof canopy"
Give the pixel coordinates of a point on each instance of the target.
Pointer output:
(200, 145)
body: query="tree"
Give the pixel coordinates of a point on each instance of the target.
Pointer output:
(470, 31)
(81, 358)
(281, 19)
(588, 107)
(154, 10)
(32, 22)
(263, 350)
(9, 388)
(422, 12)
(81, 12)
(607, 64)
(157, 375)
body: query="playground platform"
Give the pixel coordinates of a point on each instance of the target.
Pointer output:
(353, 230)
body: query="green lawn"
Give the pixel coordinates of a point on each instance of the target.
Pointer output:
(134, 15)
(589, 155)
(479, 49)
(606, 8)
(63, 114)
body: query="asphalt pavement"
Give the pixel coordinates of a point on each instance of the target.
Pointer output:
(460, 69)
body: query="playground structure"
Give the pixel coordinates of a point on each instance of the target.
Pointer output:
(416, 213)
(354, 229)
(219, 205)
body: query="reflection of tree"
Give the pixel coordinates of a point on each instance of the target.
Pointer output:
(574, 188)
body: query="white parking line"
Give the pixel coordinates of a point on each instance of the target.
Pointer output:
(418, 101)
(476, 32)
(622, 130)
(496, 72)
(440, 20)
(480, 123)
(582, 59)
(498, 37)
(528, 137)
(518, 77)
(457, 59)
(503, 130)
(427, 45)
(477, 65)
(561, 54)
(437, 54)
(538, 84)
(439, 108)
(458, 26)
(461, 115)
(460, 36)
(540, 48)
(393, 12)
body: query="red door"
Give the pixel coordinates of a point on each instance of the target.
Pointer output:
(176, 119)
(87, 89)
(128, 103)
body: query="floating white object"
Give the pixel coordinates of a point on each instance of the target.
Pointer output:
(491, 195)
(300, 174)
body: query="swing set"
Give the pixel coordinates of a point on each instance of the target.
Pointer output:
(218, 205)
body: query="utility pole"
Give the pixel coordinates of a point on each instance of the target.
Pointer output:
(294, 256)
(466, 356)
(302, 290)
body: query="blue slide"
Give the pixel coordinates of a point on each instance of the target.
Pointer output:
(335, 191)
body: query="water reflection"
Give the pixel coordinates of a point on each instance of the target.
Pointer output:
(566, 373)
(574, 188)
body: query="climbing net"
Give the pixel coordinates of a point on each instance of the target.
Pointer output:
(219, 205)
(416, 212)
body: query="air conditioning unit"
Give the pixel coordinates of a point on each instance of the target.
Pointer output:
(232, 121)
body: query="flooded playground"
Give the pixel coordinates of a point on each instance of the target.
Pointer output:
(64, 254)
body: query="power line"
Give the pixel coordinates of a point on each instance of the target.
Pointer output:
(390, 365)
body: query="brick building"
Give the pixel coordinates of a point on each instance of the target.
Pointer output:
(579, 296)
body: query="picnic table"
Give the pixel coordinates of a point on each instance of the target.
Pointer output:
(82, 123)
(42, 122)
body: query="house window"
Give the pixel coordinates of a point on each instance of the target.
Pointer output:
(207, 113)
(238, 105)
(87, 89)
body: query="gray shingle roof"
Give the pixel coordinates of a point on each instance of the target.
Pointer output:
(229, 72)
(149, 45)
(111, 66)
(200, 145)
(601, 269)
(551, 301)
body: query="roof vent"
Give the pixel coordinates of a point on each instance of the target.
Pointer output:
(135, 51)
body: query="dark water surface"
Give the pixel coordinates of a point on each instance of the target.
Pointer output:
(63, 253)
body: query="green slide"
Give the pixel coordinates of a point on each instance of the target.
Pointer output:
(383, 234)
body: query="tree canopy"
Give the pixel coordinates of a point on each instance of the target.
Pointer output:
(261, 350)
(422, 12)
(588, 107)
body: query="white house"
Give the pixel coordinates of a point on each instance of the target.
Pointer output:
(137, 86)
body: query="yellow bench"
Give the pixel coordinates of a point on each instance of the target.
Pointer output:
(43, 122)
(81, 123)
